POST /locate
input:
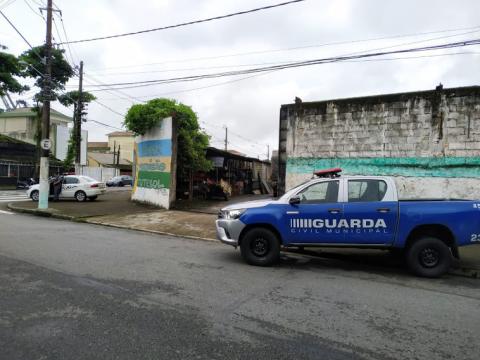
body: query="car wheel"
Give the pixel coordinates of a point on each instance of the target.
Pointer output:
(80, 196)
(35, 195)
(120, 184)
(260, 247)
(429, 257)
(93, 198)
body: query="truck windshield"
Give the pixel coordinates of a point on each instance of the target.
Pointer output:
(293, 190)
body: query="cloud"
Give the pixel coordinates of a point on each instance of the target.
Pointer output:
(250, 108)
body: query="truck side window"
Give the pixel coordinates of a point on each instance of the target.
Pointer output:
(323, 192)
(366, 190)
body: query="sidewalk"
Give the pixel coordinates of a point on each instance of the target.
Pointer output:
(198, 222)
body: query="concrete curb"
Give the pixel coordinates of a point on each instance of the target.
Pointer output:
(37, 212)
(460, 271)
(191, 237)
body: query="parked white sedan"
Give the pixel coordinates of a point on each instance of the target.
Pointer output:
(77, 187)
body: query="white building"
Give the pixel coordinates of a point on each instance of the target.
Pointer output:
(23, 124)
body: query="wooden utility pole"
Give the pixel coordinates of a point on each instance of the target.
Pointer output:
(78, 124)
(226, 138)
(268, 151)
(46, 94)
(114, 150)
(118, 156)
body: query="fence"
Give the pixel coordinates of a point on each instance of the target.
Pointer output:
(11, 172)
(98, 173)
(22, 171)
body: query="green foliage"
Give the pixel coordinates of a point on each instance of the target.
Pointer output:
(72, 145)
(71, 98)
(68, 99)
(9, 68)
(61, 69)
(192, 141)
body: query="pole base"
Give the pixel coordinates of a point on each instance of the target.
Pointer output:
(44, 185)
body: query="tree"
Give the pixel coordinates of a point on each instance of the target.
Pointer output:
(35, 67)
(68, 99)
(191, 140)
(9, 68)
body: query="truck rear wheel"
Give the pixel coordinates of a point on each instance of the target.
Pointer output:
(429, 257)
(260, 247)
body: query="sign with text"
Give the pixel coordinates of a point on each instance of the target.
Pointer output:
(153, 165)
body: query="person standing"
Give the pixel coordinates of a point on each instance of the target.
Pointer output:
(57, 187)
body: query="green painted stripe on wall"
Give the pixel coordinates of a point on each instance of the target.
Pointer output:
(153, 179)
(412, 166)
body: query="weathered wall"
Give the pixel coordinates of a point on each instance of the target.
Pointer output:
(429, 140)
(155, 169)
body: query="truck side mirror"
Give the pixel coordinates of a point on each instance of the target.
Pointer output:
(294, 200)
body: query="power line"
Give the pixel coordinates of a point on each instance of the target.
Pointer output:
(33, 10)
(104, 124)
(18, 31)
(197, 88)
(42, 75)
(136, 84)
(295, 48)
(186, 23)
(7, 3)
(261, 74)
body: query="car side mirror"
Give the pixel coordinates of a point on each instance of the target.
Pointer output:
(294, 200)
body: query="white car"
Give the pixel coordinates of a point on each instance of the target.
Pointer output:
(77, 187)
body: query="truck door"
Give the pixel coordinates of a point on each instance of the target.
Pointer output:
(314, 218)
(370, 219)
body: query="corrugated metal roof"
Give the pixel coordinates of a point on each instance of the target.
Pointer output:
(97, 144)
(106, 158)
(121, 133)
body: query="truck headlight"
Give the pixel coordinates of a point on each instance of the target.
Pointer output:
(233, 214)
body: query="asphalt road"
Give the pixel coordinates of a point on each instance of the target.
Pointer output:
(80, 291)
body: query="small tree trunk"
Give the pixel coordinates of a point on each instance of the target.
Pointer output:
(38, 137)
(190, 185)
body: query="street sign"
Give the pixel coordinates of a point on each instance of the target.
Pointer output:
(46, 144)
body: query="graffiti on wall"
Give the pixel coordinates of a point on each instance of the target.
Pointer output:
(153, 164)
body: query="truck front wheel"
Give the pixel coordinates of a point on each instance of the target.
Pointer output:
(260, 247)
(429, 257)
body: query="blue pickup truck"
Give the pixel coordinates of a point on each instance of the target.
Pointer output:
(356, 212)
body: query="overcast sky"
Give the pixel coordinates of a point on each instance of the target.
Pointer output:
(250, 107)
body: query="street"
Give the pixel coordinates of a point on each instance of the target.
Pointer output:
(81, 291)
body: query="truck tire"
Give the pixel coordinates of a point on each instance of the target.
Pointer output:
(260, 247)
(429, 257)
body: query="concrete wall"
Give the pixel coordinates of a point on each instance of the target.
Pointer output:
(428, 140)
(98, 173)
(155, 165)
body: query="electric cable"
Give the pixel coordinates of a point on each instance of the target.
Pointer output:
(186, 23)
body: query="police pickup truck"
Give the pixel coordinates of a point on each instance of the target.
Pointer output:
(352, 211)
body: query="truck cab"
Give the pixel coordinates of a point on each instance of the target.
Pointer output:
(351, 211)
